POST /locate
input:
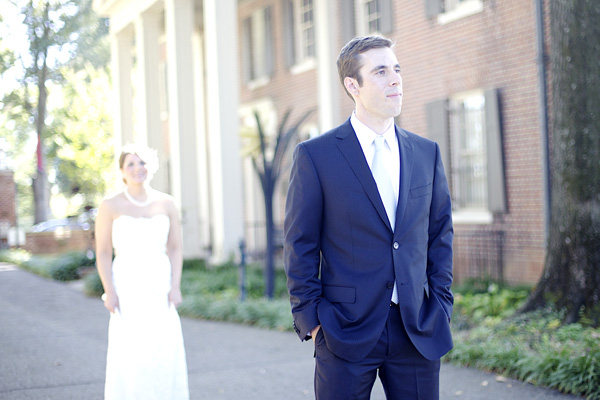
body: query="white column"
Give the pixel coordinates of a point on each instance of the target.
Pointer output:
(147, 32)
(222, 66)
(122, 62)
(204, 218)
(179, 24)
(328, 81)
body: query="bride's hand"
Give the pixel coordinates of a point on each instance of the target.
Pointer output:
(111, 301)
(175, 297)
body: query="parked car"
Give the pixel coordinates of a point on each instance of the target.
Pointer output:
(81, 222)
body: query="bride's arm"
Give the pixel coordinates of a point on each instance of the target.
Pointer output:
(175, 253)
(103, 237)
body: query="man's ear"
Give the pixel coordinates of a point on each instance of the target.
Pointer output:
(351, 85)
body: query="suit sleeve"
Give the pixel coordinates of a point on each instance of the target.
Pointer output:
(439, 256)
(302, 238)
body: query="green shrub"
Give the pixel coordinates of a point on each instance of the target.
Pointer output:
(63, 267)
(194, 263)
(226, 278)
(272, 314)
(14, 256)
(535, 348)
(473, 307)
(92, 285)
(214, 293)
(64, 272)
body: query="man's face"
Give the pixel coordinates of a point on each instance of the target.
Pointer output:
(380, 96)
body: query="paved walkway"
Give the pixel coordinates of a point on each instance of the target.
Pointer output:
(53, 346)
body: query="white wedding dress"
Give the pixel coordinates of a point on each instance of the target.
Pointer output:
(146, 356)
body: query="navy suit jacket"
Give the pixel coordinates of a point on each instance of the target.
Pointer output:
(341, 255)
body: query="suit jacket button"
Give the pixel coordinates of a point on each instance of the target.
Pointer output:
(390, 285)
(396, 246)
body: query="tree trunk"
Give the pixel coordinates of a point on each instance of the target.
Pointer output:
(41, 197)
(41, 189)
(571, 278)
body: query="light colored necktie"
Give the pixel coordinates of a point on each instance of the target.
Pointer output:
(386, 190)
(383, 180)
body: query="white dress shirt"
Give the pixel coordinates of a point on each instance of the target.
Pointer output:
(391, 152)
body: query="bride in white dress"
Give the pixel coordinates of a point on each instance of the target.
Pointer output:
(146, 355)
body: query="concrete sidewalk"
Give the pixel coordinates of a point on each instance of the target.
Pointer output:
(53, 346)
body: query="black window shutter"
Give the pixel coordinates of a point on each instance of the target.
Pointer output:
(387, 16)
(433, 7)
(289, 47)
(495, 160)
(348, 20)
(247, 63)
(268, 41)
(436, 114)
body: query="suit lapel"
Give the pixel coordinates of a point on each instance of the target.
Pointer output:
(406, 168)
(350, 147)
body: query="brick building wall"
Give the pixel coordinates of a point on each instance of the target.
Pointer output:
(8, 215)
(492, 49)
(7, 197)
(287, 91)
(495, 48)
(58, 242)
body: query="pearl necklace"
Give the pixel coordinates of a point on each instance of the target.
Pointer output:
(136, 202)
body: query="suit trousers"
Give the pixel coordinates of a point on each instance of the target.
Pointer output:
(405, 374)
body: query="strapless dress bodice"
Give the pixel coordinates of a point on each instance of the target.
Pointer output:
(140, 235)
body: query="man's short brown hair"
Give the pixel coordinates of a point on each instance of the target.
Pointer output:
(349, 61)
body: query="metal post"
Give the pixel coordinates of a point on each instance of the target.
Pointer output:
(242, 270)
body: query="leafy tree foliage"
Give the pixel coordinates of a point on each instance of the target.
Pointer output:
(67, 47)
(82, 150)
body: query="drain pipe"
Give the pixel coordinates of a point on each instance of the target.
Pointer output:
(543, 115)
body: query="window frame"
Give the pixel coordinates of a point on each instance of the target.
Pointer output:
(363, 20)
(459, 9)
(437, 115)
(257, 48)
(301, 28)
(458, 152)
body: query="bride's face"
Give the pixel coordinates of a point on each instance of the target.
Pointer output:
(134, 169)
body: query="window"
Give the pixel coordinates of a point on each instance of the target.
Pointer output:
(373, 17)
(450, 5)
(467, 129)
(299, 34)
(257, 47)
(468, 150)
(305, 31)
(447, 11)
(369, 16)
(366, 17)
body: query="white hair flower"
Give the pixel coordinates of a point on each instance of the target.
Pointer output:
(146, 154)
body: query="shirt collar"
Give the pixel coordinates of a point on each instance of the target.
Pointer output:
(366, 135)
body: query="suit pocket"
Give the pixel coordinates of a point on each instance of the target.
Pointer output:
(339, 294)
(420, 191)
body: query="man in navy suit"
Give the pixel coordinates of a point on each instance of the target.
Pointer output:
(369, 259)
